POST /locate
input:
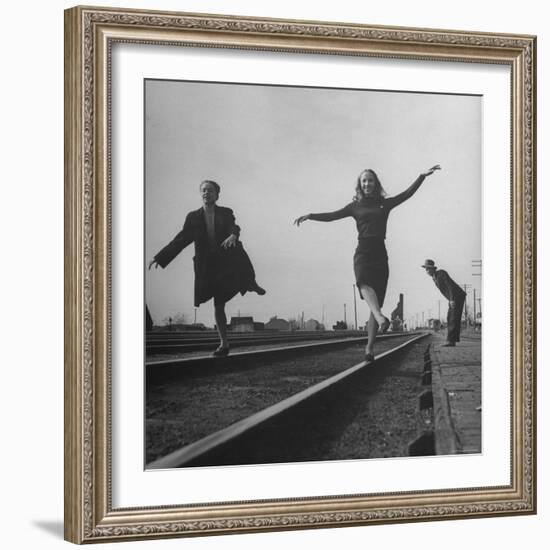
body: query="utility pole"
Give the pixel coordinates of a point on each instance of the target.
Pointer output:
(303, 324)
(466, 287)
(475, 316)
(345, 318)
(439, 310)
(476, 264)
(195, 321)
(355, 306)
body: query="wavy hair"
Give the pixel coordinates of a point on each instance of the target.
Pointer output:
(379, 192)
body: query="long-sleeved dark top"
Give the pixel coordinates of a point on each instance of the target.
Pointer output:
(370, 215)
(447, 286)
(195, 229)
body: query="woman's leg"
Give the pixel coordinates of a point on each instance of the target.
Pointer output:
(221, 323)
(372, 329)
(369, 295)
(376, 318)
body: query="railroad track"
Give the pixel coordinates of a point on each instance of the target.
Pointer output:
(159, 369)
(157, 344)
(292, 428)
(212, 334)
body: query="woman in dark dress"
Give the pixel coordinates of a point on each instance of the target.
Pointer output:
(370, 209)
(222, 266)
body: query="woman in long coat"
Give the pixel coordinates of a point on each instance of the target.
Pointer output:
(222, 266)
(370, 209)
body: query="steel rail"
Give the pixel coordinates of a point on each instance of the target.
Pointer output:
(264, 352)
(197, 344)
(188, 453)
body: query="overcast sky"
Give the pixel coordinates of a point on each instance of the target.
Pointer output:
(280, 152)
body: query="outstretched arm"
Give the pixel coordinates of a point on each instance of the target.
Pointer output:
(392, 202)
(184, 238)
(325, 216)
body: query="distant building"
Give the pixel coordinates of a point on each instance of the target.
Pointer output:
(340, 325)
(241, 324)
(148, 320)
(277, 324)
(294, 325)
(397, 316)
(478, 321)
(181, 327)
(313, 324)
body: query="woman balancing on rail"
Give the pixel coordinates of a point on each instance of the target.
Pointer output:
(370, 208)
(222, 267)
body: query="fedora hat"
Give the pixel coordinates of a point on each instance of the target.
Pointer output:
(428, 263)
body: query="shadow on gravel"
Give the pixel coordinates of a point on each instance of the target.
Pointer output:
(156, 375)
(308, 431)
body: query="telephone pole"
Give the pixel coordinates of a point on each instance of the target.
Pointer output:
(466, 288)
(355, 306)
(475, 316)
(476, 265)
(345, 318)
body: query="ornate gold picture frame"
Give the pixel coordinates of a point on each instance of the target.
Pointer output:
(90, 36)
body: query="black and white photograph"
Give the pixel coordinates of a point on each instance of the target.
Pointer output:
(300, 273)
(313, 273)
(274, 275)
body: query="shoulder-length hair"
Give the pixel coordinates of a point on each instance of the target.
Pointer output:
(379, 192)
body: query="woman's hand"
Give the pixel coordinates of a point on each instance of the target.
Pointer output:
(230, 241)
(431, 170)
(300, 220)
(152, 263)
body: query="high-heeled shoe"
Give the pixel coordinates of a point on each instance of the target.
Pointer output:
(385, 325)
(369, 358)
(221, 351)
(255, 287)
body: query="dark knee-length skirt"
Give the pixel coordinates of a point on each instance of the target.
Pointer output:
(370, 264)
(224, 274)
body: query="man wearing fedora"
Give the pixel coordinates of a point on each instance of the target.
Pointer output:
(456, 297)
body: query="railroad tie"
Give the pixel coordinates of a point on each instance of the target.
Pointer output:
(424, 443)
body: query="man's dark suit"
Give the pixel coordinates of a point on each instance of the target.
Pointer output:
(219, 273)
(455, 294)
